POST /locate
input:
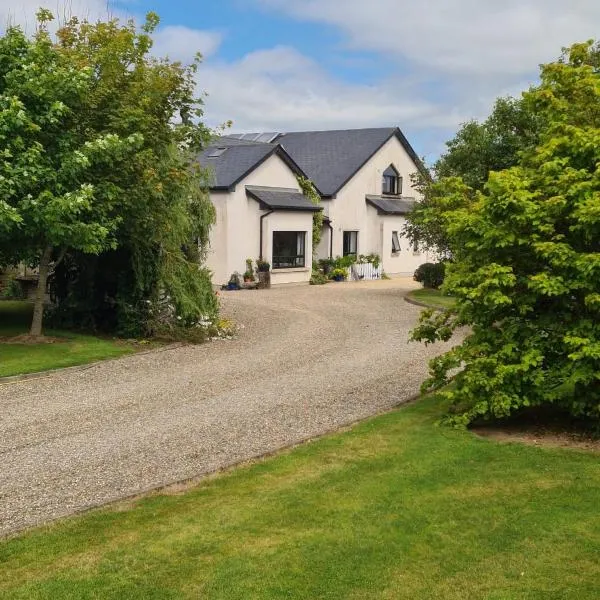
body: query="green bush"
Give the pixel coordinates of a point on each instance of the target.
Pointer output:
(526, 266)
(431, 275)
(338, 274)
(318, 278)
(262, 266)
(13, 290)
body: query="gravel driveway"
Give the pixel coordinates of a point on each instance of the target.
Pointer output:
(307, 360)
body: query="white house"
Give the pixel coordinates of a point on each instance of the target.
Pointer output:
(362, 176)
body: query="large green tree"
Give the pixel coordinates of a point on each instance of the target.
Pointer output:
(526, 269)
(101, 141)
(477, 149)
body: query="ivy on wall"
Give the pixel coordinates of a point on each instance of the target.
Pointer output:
(309, 190)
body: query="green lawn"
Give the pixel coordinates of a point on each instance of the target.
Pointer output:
(433, 298)
(77, 349)
(394, 508)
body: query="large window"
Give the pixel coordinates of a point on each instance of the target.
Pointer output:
(350, 243)
(288, 249)
(392, 182)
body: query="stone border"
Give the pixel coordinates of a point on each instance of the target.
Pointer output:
(40, 374)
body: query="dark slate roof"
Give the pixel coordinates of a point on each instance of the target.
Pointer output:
(331, 158)
(281, 198)
(231, 166)
(391, 206)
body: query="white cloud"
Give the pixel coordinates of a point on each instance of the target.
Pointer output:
(281, 89)
(479, 37)
(182, 43)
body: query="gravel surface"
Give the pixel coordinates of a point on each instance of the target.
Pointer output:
(307, 360)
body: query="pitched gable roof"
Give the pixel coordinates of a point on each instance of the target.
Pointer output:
(238, 159)
(331, 158)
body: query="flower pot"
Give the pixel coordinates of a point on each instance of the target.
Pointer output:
(264, 280)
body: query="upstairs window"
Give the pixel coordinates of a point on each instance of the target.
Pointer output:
(392, 182)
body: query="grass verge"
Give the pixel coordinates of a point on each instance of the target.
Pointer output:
(433, 298)
(76, 349)
(394, 508)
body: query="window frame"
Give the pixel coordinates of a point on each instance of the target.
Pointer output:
(351, 233)
(281, 263)
(396, 248)
(391, 182)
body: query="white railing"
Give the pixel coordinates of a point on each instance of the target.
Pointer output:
(360, 271)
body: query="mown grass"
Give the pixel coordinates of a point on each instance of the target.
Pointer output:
(394, 508)
(433, 298)
(73, 349)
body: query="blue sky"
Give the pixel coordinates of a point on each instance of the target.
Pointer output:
(424, 65)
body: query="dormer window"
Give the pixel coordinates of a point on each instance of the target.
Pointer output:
(392, 182)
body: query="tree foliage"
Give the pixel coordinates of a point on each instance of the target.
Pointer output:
(526, 269)
(100, 154)
(476, 150)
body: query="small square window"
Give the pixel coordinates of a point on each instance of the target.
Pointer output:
(395, 242)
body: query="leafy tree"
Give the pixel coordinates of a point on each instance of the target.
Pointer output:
(44, 174)
(475, 151)
(115, 174)
(526, 269)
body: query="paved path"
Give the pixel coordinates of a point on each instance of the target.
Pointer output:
(307, 360)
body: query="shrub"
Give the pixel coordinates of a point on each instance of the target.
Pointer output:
(526, 266)
(262, 266)
(431, 275)
(318, 278)
(13, 290)
(326, 265)
(338, 274)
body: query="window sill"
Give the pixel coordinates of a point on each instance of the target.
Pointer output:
(291, 270)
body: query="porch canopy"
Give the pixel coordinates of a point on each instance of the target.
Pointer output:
(391, 206)
(273, 198)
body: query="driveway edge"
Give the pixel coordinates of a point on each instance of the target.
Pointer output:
(191, 482)
(84, 367)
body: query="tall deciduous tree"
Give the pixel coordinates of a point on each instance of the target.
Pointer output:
(44, 174)
(477, 149)
(102, 140)
(526, 268)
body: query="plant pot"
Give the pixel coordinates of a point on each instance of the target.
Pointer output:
(264, 280)
(338, 278)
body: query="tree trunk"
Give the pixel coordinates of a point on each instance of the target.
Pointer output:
(38, 307)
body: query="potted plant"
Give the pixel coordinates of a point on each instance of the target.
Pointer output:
(338, 274)
(234, 282)
(249, 273)
(263, 270)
